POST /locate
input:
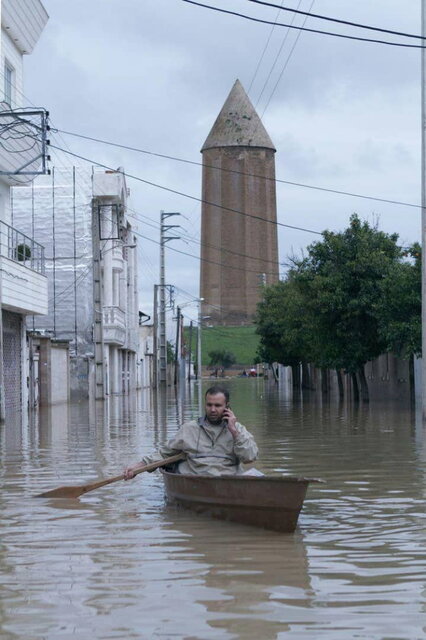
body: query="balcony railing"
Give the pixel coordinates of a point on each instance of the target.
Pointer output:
(114, 316)
(20, 248)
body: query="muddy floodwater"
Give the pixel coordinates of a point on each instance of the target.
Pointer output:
(120, 564)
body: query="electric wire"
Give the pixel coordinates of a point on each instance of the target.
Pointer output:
(200, 259)
(65, 167)
(134, 214)
(264, 51)
(190, 197)
(284, 40)
(243, 173)
(327, 33)
(285, 65)
(33, 106)
(337, 20)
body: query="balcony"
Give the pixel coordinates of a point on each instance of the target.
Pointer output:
(114, 326)
(23, 281)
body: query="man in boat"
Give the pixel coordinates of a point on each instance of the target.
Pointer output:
(215, 445)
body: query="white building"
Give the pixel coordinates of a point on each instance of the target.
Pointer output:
(145, 367)
(116, 304)
(79, 215)
(23, 284)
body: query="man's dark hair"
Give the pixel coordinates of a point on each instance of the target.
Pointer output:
(212, 391)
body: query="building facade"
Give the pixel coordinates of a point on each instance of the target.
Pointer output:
(23, 283)
(80, 216)
(239, 251)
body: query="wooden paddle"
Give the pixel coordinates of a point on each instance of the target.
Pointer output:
(76, 492)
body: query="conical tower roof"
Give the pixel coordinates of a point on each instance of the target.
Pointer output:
(238, 124)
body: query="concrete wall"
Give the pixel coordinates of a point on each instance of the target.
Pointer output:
(145, 357)
(4, 202)
(60, 374)
(388, 378)
(54, 376)
(23, 290)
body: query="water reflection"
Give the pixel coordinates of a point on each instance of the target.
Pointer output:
(244, 575)
(120, 564)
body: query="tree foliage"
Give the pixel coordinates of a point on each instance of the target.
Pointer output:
(399, 307)
(283, 325)
(341, 280)
(355, 295)
(222, 358)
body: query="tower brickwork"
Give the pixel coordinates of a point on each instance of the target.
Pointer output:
(239, 237)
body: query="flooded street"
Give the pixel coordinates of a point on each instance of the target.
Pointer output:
(120, 564)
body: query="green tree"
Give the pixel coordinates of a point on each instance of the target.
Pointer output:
(283, 323)
(353, 297)
(222, 358)
(341, 280)
(398, 309)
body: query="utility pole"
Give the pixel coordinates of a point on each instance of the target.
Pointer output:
(423, 179)
(190, 351)
(162, 324)
(199, 343)
(177, 347)
(155, 338)
(199, 363)
(98, 333)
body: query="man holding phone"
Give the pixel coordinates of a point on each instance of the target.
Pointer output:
(216, 444)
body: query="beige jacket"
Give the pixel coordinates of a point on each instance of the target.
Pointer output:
(211, 450)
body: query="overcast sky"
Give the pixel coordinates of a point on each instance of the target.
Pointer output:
(154, 74)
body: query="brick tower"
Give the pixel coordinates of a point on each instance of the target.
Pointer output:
(239, 251)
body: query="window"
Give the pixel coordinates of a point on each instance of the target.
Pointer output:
(8, 83)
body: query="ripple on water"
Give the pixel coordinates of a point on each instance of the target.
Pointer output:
(120, 564)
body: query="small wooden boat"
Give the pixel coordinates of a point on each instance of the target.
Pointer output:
(268, 502)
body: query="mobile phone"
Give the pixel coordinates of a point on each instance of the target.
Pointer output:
(228, 406)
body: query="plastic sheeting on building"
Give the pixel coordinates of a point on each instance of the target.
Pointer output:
(56, 210)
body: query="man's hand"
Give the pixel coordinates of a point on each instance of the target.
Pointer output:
(230, 418)
(129, 473)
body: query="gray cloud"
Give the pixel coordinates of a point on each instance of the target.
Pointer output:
(154, 74)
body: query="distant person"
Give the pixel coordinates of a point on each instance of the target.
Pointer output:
(253, 373)
(216, 444)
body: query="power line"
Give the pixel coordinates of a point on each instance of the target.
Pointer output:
(286, 63)
(287, 33)
(135, 214)
(337, 20)
(326, 33)
(191, 255)
(264, 50)
(186, 195)
(200, 259)
(241, 173)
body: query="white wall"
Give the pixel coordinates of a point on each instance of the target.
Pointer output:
(23, 290)
(4, 202)
(60, 374)
(11, 54)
